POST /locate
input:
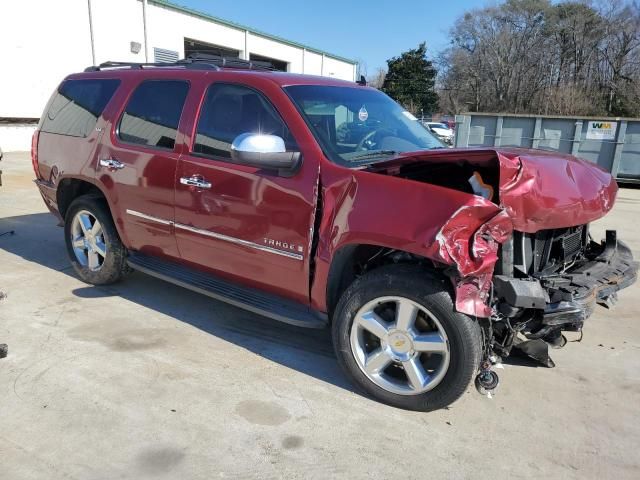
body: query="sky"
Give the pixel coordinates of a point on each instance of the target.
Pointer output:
(369, 31)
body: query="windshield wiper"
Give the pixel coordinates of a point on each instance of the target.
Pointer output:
(374, 154)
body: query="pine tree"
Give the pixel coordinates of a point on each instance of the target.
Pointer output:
(410, 81)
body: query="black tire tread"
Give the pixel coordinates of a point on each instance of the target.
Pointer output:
(115, 265)
(433, 291)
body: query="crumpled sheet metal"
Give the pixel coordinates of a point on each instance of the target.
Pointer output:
(543, 190)
(470, 240)
(368, 208)
(537, 191)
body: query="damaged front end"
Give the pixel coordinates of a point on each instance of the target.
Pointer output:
(521, 259)
(550, 282)
(551, 274)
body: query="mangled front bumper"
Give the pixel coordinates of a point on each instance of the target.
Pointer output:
(565, 300)
(575, 294)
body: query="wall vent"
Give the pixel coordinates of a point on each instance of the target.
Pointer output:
(161, 55)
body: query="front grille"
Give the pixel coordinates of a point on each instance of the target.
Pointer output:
(571, 243)
(547, 251)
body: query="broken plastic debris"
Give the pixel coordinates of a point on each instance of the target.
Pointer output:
(486, 382)
(480, 188)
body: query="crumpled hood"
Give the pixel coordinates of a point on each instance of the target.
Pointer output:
(543, 190)
(421, 202)
(539, 190)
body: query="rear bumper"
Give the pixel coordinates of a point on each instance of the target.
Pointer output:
(566, 300)
(49, 195)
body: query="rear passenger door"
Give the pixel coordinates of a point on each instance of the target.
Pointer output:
(246, 224)
(73, 122)
(137, 164)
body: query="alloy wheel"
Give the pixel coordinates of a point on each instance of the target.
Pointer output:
(400, 345)
(87, 240)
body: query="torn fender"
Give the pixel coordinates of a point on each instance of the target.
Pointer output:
(447, 226)
(470, 240)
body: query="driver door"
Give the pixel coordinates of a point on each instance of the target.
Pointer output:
(247, 225)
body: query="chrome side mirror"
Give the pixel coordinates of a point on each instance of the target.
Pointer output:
(264, 151)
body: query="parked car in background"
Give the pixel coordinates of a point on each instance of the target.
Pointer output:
(323, 203)
(442, 131)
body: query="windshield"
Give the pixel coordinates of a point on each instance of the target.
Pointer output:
(359, 125)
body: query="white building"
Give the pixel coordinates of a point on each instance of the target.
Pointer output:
(42, 41)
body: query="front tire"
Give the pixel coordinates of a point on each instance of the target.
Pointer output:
(94, 247)
(398, 337)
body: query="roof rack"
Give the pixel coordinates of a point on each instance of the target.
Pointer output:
(195, 61)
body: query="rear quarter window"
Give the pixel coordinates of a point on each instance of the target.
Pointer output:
(153, 112)
(76, 106)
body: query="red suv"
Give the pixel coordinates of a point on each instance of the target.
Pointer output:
(320, 202)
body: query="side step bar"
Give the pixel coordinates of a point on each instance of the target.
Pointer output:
(261, 303)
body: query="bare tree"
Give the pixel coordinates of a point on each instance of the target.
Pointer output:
(534, 56)
(377, 79)
(361, 68)
(620, 52)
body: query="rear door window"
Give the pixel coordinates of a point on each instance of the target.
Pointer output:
(77, 105)
(231, 110)
(153, 112)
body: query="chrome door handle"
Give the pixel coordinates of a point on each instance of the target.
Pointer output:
(195, 181)
(111, 163)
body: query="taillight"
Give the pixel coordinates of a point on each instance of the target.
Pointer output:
(34, 153)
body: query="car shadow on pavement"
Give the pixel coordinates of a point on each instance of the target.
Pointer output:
(309, 351)
(37, 239)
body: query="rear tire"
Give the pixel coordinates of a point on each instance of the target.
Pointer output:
(94, 247)
(399, 338)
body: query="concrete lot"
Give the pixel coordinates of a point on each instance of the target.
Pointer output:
(145, 379)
